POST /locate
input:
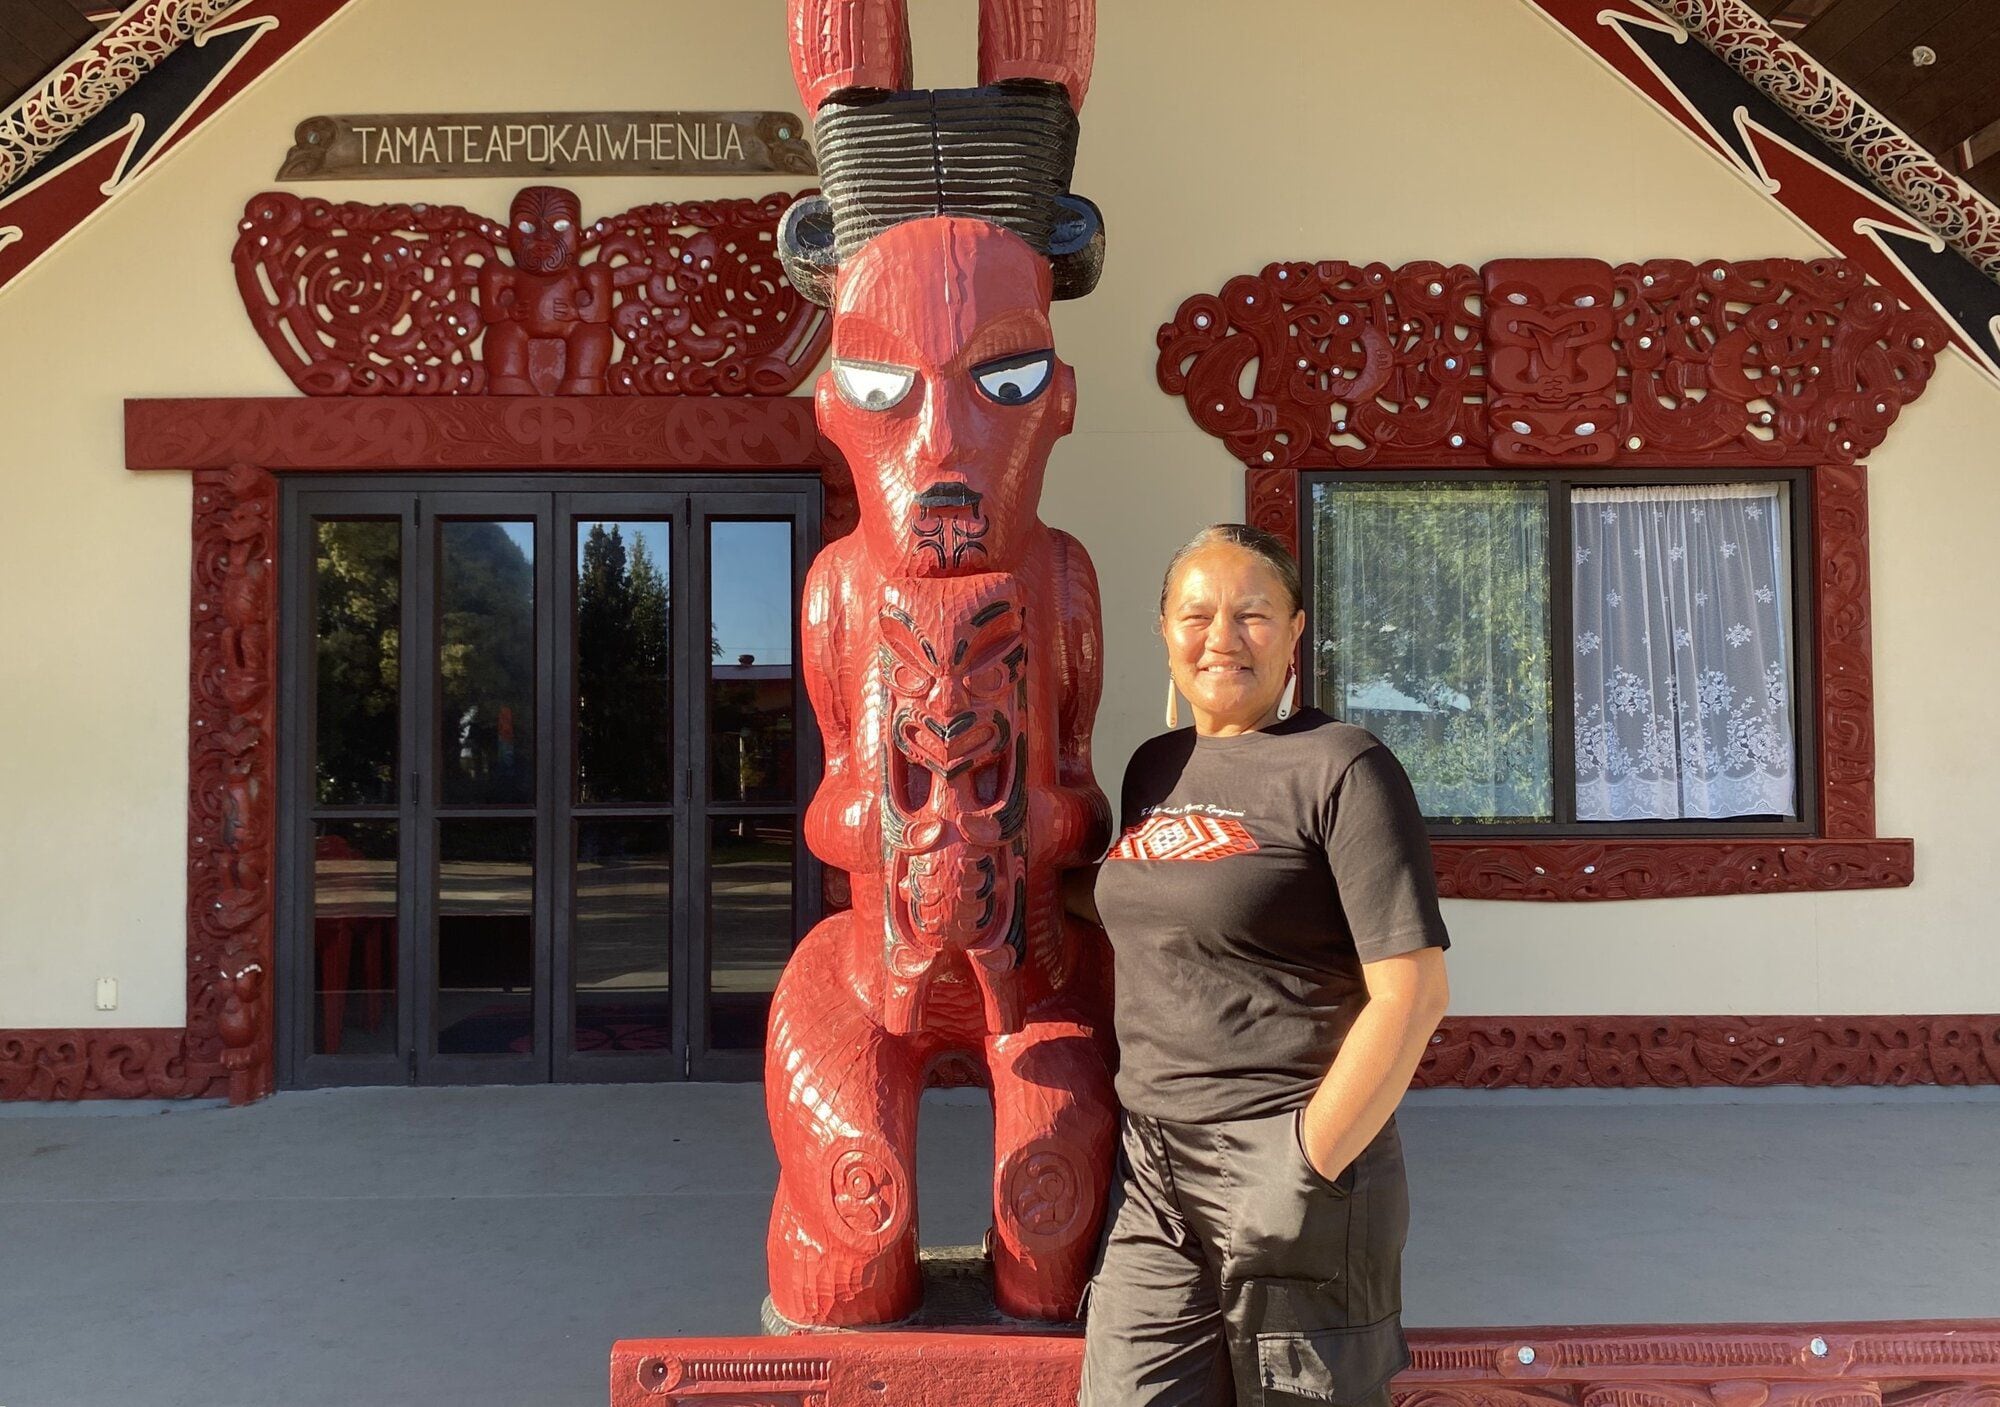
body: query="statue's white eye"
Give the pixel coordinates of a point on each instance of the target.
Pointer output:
(525, 226)
(1015, 380)
(871, 385)
(562, 226)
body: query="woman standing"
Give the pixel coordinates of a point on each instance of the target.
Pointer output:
(1280, 970)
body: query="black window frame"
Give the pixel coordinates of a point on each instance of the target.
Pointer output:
(1558, 483)
(549, 498)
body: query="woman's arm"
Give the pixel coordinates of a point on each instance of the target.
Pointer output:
(1407, 996)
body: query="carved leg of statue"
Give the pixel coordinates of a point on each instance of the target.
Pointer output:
(1053, 1130)
(842, 1098)
(506, 358)
(589, 353)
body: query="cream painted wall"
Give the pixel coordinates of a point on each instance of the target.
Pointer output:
(1429, 129)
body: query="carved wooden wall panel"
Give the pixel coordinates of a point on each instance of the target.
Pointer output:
(1682, 1052)
(437, 300)
(1753, 362)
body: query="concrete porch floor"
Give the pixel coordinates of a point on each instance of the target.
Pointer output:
(486, 1246)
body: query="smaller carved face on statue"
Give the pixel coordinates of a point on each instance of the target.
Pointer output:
(945, 393)
(542, 229)
(953, 657)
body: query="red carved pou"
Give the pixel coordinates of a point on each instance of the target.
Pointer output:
(951, 648)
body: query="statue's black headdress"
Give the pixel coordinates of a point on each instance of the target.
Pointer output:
(1003, 153)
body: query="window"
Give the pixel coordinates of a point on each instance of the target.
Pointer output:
(1673, 703)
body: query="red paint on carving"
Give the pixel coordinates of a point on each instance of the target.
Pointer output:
(951, 650)
(392, 300)
(1193, 837)
(1930, 1363)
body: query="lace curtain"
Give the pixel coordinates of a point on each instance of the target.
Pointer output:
(1683, 652)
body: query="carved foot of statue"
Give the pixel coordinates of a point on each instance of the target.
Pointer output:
(510, 386)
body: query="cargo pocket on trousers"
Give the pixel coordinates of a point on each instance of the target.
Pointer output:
(1350, 1367)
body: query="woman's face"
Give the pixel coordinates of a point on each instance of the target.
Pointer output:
(1231, 633)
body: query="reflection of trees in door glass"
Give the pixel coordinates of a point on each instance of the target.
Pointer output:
(486, 662)
(357, 634)
(1430, 629)
(624, 663)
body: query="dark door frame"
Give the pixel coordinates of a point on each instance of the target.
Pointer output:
(420, 503)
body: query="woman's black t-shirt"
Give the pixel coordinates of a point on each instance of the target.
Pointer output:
(1254, 875)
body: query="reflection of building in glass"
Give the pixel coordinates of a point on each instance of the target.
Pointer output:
(751, 729)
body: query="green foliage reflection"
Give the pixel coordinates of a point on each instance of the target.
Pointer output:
(358, 605)
(1430, 629)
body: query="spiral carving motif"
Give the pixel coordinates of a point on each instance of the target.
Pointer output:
(1046, 1194)
(870, 1194)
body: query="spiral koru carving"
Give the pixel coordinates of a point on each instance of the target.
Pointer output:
(1045, 1193)
(869, 1196)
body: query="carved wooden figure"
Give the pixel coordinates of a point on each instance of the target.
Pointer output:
(952, 654)
(545, 313)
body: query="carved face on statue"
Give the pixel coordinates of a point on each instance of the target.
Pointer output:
(946, 387)
(954, 800)
(542, 229)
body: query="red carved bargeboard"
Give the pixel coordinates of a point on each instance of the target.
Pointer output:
(1893, 1363)
(685, 299)
(1554, 363)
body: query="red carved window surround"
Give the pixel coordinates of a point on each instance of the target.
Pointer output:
(1555, 363)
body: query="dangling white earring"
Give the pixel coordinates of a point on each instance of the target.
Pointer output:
(1290, 696)
(1173, 704)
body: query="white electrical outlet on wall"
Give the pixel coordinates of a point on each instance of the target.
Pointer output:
(107, 994)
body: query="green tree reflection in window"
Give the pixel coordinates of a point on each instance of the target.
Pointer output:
(624, 667)
(1430, 628)
(358, 602)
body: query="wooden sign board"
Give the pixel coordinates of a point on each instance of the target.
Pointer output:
(404, 146)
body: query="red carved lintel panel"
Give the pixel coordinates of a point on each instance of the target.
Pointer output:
(1906, 1363)
(614, 434)
(1750, 363)
(1554, 362)
(1682, 1052)
(683, 299)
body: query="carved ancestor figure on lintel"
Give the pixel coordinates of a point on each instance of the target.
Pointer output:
(547, 314)
(951, 647)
